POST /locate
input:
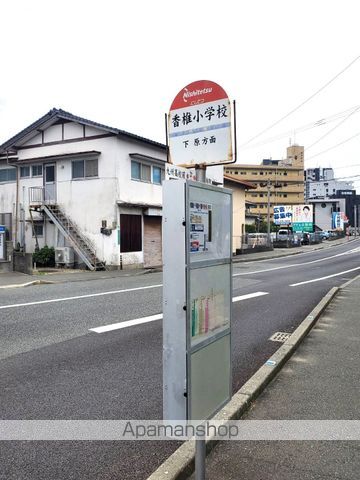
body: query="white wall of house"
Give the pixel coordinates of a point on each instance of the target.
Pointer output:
(87, 201)
(323, 211)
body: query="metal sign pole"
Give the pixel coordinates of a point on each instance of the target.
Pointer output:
(200, 173)
(200, 444)
(200, 455)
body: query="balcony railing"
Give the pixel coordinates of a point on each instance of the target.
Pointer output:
(41, 196)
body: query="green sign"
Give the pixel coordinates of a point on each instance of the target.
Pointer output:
(302, 226)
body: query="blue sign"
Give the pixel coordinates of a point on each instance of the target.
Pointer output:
(2, 229)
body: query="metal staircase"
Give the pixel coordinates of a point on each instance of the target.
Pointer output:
(69, 230)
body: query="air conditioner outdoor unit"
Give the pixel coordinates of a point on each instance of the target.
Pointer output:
(64, 256)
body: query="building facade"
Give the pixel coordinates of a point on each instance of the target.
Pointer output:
(68, 181)
(321, 183)
(323, 211)
(352, 205)
(239, 188)
(283, 178)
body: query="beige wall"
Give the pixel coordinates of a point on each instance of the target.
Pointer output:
(238, 212)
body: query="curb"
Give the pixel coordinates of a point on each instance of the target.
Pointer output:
(28, 284)
(180, 465)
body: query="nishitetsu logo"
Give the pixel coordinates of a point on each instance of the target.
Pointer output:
(194, 93)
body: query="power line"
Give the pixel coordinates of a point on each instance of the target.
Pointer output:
(304, 102)
(303, 128)
(334, 146)
(334, 128)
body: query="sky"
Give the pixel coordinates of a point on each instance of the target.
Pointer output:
(122, 63)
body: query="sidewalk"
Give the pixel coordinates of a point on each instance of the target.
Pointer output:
(320, 382)
(284, 252)
(14, 279)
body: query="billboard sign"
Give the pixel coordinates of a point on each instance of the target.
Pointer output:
(302, 218)
(199, 126)
(283, 215)
(338, 220)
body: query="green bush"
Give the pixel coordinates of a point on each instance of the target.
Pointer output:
(45, 257)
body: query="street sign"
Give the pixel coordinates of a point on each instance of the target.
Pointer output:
(2, 242)
(197, 281)
(199, 126)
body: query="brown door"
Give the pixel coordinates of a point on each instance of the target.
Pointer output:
(152, 242)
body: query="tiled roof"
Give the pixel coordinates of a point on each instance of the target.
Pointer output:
(54, 114)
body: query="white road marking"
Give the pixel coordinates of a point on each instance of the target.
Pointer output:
(324, 278)
(159, 316)
(249, 295)
(300, 254)
(77, 297)
(348, 252)
(128, 323)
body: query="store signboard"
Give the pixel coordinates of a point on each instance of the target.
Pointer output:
(196, 299)
(199, 126)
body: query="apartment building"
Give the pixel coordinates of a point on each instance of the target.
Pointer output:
(285, 178)
(321, 183)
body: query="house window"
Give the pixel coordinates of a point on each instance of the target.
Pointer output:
(8, 175)
(156, 175)
(130, 233)
(146, 173)
(85, 168)
(38, 230)
(37, 170)
(24, 172)
(135, 170)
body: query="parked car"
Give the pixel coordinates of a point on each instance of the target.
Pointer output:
(306, 238)
(284, 234)
(325, 234)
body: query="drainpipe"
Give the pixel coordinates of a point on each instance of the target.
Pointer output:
(17, 199)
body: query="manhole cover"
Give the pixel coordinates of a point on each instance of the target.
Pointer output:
(280, 337)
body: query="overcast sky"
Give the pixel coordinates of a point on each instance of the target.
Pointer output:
(122, 63)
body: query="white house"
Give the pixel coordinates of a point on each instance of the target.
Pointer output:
(68, 181)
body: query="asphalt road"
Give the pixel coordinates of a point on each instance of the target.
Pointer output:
(52, 366)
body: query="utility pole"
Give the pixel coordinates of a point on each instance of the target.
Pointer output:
(268, 213)
(355, 220)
